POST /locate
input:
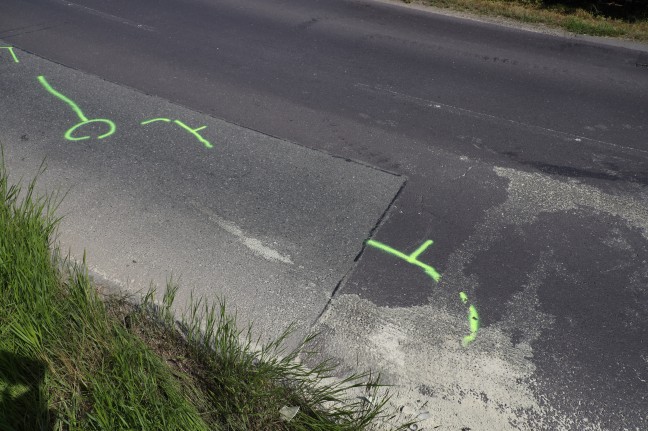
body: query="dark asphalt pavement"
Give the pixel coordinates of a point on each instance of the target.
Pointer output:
(526, 157)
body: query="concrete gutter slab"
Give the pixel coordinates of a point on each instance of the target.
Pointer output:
(268, 224)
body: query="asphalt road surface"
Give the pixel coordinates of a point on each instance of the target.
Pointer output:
(522, 155)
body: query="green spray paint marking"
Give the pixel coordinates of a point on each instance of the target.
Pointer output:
(13, 54)
(194, 132)
(412, 258)
(473, 318)
(144, 123)
(84, 120)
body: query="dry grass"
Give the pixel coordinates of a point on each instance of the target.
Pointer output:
(575, 20)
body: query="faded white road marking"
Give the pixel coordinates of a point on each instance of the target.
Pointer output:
(107, 16)
(252, 243)
(476, 114)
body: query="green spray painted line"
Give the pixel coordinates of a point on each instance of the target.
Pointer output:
(84, 120)
(412, 258)
(194, 132)
(144, 123)
(62, 97)
(473, 319)
(13, 54)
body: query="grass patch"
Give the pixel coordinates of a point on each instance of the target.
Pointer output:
(570, 18)
(71, 359)
(580, 26)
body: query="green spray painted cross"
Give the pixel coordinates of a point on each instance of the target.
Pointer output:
(411, 258)
(473, 316)
(194, 132)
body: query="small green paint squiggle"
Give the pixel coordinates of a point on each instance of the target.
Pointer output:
(12, 52)
(153, 120)
(473, 319)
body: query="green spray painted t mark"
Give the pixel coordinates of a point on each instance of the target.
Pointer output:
(411, 258)
(473, 319)
(11, 51)
(194, 132)
(69, 135)
(202, 140)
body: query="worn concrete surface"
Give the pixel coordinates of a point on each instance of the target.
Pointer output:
(269, 225)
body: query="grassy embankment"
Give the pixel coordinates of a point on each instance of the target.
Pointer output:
(71, 359)
(580, 17)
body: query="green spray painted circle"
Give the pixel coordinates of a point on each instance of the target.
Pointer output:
(111, 129)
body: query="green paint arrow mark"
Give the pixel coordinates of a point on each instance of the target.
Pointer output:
(13, 54)
(193, 132)
(69, 135)
(473, 316)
